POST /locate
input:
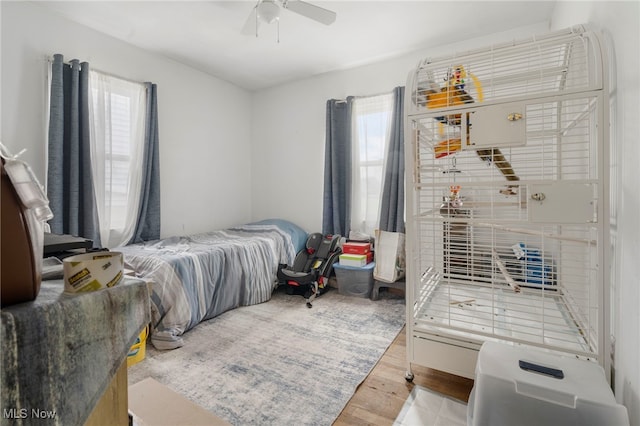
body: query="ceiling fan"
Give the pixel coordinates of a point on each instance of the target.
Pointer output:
(268, 11)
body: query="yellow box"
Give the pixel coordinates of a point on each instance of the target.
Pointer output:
(137, 351)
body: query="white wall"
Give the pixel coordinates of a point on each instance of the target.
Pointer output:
(204, 123)
(288, 129)
(619, 23)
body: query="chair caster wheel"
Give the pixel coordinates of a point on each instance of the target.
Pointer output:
(408, 376)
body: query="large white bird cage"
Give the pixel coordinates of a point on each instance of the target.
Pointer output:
(507, 201)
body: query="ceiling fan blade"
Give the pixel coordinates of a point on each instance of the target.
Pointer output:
(251, 24)
(311, 11)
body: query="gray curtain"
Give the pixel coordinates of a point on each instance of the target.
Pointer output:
(69, 181)
(392, 203)
(336, 209)
(148, 223)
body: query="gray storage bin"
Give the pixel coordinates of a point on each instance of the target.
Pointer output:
(354, 281)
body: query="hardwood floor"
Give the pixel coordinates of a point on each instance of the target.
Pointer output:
(380, 397)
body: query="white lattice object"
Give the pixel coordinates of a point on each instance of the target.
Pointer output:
(507, 201)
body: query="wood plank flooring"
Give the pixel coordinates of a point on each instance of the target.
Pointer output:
(380, 397)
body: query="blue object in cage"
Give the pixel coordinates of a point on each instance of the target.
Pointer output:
(535, 269)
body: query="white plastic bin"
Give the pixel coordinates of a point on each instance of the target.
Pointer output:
(550, 390)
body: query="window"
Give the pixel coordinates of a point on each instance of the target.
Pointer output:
(371, 126)
(117, 111)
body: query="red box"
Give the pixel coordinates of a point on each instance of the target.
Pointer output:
(356, 248)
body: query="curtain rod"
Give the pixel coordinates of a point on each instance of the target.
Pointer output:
(50, 61)
(341, 101)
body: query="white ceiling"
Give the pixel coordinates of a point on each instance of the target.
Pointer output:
(207, 35)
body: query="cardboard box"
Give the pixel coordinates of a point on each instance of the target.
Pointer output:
(356, 248)
(153, 404)
(355, 260)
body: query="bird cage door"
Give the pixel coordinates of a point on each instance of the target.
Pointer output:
(562, 202)
(497, 126)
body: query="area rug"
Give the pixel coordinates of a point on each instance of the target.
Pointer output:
(425, 407)
(279, 363)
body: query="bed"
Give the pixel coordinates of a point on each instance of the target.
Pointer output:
(197, 277)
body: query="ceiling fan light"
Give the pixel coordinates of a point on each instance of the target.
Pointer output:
(268, 11)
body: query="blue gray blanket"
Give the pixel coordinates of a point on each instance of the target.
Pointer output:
(197, 277)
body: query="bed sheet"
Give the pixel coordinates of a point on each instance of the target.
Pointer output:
(197, 277)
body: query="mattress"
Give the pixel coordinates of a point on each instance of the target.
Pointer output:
(197, 277)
